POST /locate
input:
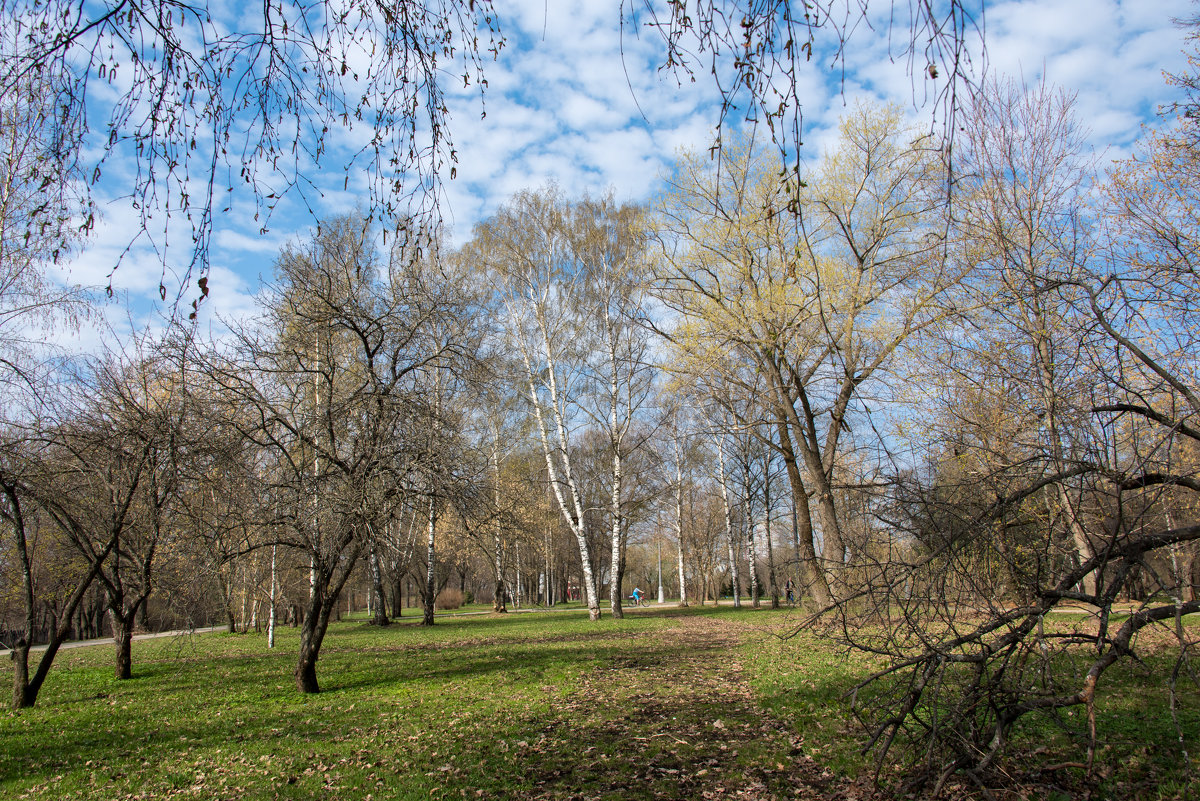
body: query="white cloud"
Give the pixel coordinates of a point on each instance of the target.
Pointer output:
(1110, 53)
(565, 104)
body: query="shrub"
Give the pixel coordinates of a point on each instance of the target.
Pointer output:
(449, 599)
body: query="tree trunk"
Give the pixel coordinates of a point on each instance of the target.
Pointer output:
(752, 567)
(517, 575)
(380, 617)
(1191, 573)
(803, 528)
(751, 539)
(26, 689)
(618, 545)
(22, 698)
(785, 419)
(729, 535)
(122, 629)
(679, 520)
(573, 511)
(20, 650)
(772, 583)
(26, 696)
(498, 604)
(661, 596)
(312, 633)
(683, 601)
(274, 599)
(226, 600)
(772, 580)
(430, 588)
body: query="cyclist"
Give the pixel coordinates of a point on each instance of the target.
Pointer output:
(637, 597)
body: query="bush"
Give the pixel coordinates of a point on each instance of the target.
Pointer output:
(449, 599)
(469, 598)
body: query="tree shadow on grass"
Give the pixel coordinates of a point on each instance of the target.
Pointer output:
(615, 710)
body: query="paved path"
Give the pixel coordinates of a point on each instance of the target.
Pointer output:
(5, 653)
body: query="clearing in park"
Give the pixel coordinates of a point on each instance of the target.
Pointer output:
(667, 703)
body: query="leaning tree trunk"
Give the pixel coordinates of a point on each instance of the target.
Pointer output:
(328, 578)
(312, 634)
(25, 687)
(573, 510)
(802, 532)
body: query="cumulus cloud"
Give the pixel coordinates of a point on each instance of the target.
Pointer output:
(576, 100)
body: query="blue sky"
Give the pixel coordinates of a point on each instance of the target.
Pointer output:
(576, 100)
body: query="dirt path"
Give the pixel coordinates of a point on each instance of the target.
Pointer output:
(677, 721)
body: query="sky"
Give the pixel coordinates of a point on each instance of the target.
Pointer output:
(578, 99)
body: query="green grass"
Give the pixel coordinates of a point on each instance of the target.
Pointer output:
(404, 712)
(1145, 751)
(665, 703)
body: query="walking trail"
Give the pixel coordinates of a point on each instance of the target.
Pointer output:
(678, 721)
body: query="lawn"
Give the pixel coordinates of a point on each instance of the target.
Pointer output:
(665, 703)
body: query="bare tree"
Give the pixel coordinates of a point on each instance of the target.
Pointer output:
(608, 245)
(42, 212)
(1067, 455)
(100, 472)
(331, 379)
(209, 100)
(758, 54)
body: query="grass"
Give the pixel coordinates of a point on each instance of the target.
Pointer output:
(665, 703)
(1144, 750)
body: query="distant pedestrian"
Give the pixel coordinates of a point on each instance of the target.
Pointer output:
(791, 591)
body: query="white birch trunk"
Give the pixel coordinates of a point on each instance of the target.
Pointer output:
(274, 592)
(572, 511)
(618, 549)
(430, 578)
(679, 521)
(729, 535)
(661, 597)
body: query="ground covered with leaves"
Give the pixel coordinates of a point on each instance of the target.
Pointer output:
(667, 703)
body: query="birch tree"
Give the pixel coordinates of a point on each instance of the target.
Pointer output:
(608, 244)
(564, 269)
